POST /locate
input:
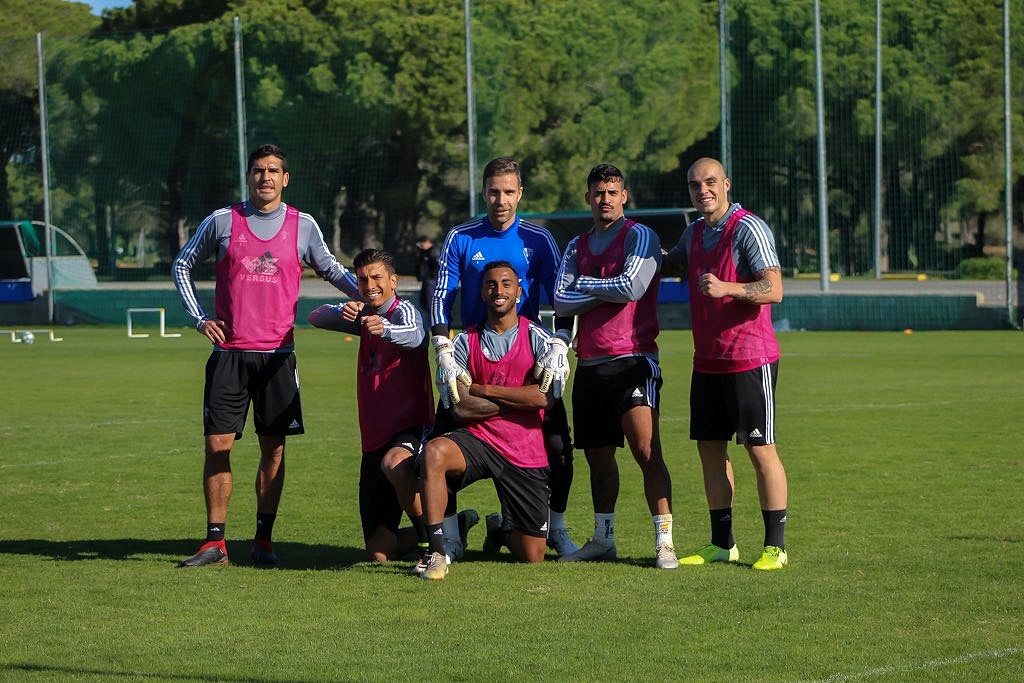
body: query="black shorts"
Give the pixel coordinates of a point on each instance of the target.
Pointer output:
(603, 393)
(740, 403)
(269, 380)
(378, 502)
(556, 423)
(525, 492)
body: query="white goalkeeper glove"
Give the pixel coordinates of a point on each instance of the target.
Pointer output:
(552, 367)
(448, 371)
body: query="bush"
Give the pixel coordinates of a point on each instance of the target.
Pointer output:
(983, 268)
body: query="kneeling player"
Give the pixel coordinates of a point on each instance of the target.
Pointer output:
(396, 403)
(502, 413)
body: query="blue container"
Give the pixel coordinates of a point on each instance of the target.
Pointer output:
(16, 290)
(673, 290)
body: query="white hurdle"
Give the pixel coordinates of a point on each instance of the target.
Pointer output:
(163, 332)
(17, 339)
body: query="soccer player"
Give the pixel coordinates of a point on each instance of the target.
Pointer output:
(396, 403)
(609, 278)
(259, 246)
(502, 413)
(531, 250)
(734, 276)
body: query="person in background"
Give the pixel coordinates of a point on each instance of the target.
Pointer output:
(426, 269)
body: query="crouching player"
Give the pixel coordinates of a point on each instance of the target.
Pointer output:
(501, 436)
(394, 388)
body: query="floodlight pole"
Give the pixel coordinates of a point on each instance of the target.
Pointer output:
(45, 149)
(470, 113)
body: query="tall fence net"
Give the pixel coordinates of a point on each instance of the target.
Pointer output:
(144, 127)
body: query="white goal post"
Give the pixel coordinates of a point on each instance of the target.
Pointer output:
(163, 328)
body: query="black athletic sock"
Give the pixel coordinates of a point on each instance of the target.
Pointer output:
(264, 526)
(561, 480)
(721, 528)
(419, 525)
(215, 531)
(775, 527)
(435, 536)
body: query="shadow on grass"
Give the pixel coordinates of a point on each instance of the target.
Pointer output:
(989, 538)
(133, 675)
(293, 555)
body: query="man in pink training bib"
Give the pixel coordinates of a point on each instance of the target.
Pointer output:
(734, 276)
(501, 414)
(259, 246)
(609, 279)
(395, 393)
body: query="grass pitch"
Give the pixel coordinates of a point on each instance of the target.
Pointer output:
(905, 535)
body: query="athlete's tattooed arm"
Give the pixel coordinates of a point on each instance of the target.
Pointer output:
(767, 289)
(763, 290)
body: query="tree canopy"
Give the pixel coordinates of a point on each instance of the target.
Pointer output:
(369, 100)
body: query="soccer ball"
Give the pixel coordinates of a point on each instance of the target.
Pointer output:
(27, 337)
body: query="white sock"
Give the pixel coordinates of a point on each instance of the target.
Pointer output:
(662, 530)
(604, 528)
(450, 526)
(557, 520)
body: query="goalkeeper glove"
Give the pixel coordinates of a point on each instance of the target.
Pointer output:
(448, 371)
(552, 367)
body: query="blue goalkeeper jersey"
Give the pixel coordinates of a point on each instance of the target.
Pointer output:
(467, 248)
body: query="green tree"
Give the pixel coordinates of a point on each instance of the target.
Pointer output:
(158, 147)
(565, 85)
(978, 89)
(941, 131)
(19, 88)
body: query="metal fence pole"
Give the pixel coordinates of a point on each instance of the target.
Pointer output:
(470, 113)
(240, 111)
(822, 169)
(45, 149)
(878, 139)
(725, 141)
(1008, 163)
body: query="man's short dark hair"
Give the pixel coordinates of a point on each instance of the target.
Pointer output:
(604, 173)
(501, 263)
(368, 256)
(502, 166)
(268, 150)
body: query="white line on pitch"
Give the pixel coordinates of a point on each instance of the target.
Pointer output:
(926, 665)
(845, 407)
(65, 461)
